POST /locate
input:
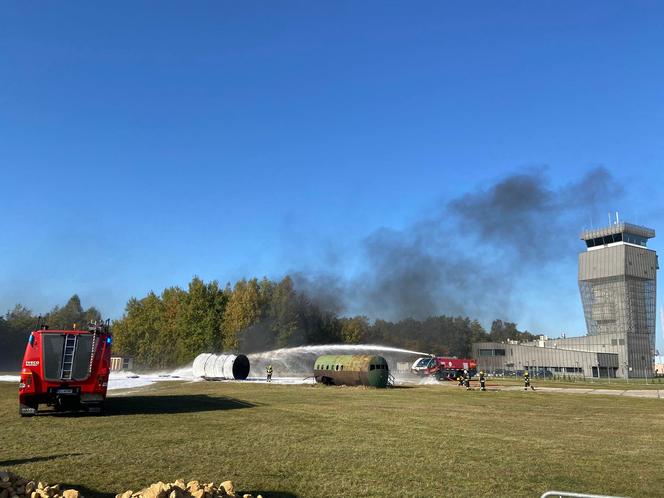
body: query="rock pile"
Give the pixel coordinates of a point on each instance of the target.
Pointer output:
(13, 486)
(178, 489)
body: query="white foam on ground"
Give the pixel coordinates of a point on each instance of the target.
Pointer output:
(279, 380)
(129, 380)
(428, 380)
(124, 380)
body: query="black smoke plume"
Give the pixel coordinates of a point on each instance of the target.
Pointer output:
(470, 254)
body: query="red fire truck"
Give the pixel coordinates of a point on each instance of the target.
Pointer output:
(443, 368)
(66, 369)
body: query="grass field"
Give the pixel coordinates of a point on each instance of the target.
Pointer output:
(588, 383)
(313, 441)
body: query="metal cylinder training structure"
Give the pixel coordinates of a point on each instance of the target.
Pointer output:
(222, 366)
(352, 370)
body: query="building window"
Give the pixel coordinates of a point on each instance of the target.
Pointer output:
(492, 352)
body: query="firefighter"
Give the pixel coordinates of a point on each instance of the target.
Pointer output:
(460, 377)
(482, 381)
(526, 381)
(466, 380)
(269, 372)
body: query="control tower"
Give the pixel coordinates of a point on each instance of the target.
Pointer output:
(617, 281)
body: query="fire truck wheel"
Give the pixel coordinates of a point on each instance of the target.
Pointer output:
(27, 410)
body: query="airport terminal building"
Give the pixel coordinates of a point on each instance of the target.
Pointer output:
(617, 282)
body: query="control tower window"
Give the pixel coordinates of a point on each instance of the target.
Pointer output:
(608, 239)
(635, 239)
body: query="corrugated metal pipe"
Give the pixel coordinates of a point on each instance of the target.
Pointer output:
(221, 366)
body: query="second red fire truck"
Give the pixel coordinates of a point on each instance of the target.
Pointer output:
(443, 368)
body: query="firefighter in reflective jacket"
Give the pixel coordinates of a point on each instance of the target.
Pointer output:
(269, 373)
(466, 380)
(460, 377)
(526, 380)
(482, 381)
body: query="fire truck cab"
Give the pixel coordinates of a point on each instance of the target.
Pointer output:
(66, 369)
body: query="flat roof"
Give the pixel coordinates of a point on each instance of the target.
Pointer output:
(641, 231)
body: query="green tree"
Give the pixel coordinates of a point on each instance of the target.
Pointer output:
(244, 309)
(200, 319)
(71, 315)
(170, 346)
(21, 320)
(354, 330)
(283, 315)
(502, 331)
(15, 328)
(138, 332)
(17, 324)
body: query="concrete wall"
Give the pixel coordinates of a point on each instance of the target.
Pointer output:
(554, 360)
(618, 260)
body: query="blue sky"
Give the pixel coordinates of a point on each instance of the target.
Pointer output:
(142, 143)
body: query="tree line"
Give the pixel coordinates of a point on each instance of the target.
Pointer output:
(17, 323)
(169, 329)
